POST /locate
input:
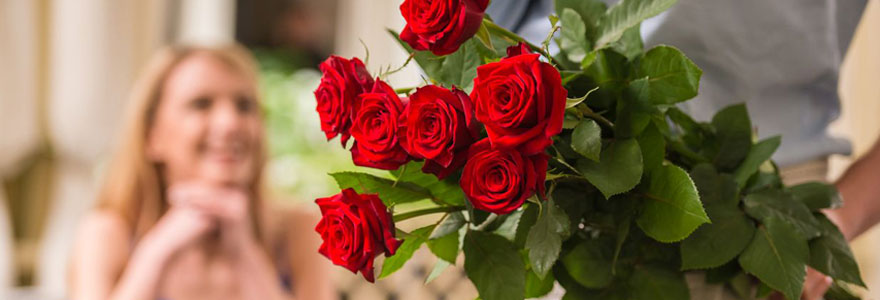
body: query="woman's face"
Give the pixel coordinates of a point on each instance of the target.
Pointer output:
(207, 125)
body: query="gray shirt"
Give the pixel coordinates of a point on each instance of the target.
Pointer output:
(781, 57)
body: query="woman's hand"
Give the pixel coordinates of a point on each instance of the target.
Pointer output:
(180, 227)
(227, 207)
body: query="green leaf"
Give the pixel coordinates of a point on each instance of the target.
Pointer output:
(572, 102)
(545, 238)
(411, 243)
(591, 11)
(672, 76)
(460, 68)
(589, 263)
(526, 221)
(817, 195)
(630, 44)
(438, 269)
(536, 286)
(494, 266)
(619, 168)
(586, 139)
(771, 203)
(715, 244)
(447, 191)
(759, 153)
(483, 36)
(653, 147)
(573, 38)
(445, 247)
(451, 224)
(777, 255)
(390, 193)
(715, 188)
(574, 201)
(830, 254)
(626, 14)
(654, 283)
(672, 208)
(734, 133)
(634, 109)
(508, 225)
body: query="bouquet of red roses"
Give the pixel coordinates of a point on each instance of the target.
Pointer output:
(544, 163)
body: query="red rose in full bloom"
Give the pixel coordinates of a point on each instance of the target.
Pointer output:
(355, 229)
(439, 128)
(342, 81)
(441, 25)
(521, 101)
(500, 180)
(375, 123)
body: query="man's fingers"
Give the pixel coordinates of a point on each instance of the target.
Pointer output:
(815, 285)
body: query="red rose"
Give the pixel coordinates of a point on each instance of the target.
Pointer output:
(342, 82)
(355, 229)
(521, 101)
(375, 123)
(439, 128)
(441, 25)
(500, 180)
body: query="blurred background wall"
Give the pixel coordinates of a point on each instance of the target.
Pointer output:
(66, 67)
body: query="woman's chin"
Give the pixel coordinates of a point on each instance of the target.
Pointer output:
(227, 175)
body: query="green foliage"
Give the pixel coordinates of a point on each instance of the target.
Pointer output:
(445, 247)
(410, 244)
(777, 255)
(767, 204)
(816, 195)
(715, 244)
(625, 15)
(589, 263)
(619, 168)
(573, 39)
(672, 77)
(650, 283)
(586, 139)
(830, 254)
(388, 191)
(545, 238)
(446, 191)
(672, 208)
(494, 265)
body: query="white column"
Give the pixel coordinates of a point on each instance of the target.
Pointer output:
(19, 132)
(206, 22)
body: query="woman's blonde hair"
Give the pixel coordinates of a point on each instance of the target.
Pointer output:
(133, 186)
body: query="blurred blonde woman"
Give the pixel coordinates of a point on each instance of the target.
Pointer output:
(181, 215)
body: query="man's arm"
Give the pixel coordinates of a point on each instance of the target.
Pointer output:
(860, 188)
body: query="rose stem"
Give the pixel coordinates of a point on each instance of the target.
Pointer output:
(506, 33)
(433, 210)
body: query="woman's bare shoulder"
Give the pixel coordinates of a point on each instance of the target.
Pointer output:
(104, 235)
